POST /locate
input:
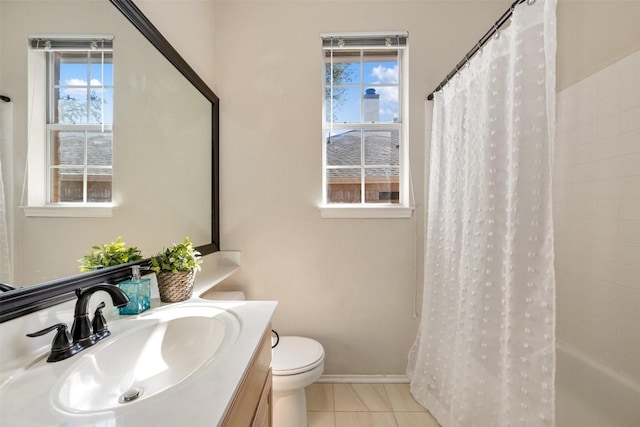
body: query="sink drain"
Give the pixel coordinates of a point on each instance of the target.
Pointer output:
(130, 395)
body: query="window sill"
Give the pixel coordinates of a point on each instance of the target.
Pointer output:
(70, 211)
(351, 211)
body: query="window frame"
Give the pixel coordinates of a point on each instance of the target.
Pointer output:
(363, 209)
(41, 69)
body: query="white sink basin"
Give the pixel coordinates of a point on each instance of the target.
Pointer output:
(148, 354)
(171, 344)
(191, 355)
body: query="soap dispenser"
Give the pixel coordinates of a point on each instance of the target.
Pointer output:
(139, 292)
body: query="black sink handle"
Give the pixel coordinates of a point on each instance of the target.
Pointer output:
(61, 341)
(99, 323)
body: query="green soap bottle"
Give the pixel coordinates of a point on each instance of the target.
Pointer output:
(139, 292)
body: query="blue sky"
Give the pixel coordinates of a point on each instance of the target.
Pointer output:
(383, 77)
(77, 75)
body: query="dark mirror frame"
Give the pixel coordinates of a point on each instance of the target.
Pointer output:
(27, 300)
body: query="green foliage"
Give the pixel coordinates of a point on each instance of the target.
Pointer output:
(179, 257)
(113, 253)
(75, 110)
(342, 73)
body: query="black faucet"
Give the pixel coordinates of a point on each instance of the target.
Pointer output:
(84, 333)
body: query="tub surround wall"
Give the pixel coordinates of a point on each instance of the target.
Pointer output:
(589, 394)
(597, 216)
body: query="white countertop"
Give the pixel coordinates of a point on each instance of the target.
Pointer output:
(201, 399)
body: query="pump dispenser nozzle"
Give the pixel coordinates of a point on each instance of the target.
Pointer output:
(135, 272)
(139, 292)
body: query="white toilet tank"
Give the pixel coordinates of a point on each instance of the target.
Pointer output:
(226, 295)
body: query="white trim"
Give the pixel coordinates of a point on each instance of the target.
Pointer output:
(365, 211)
(72, 36)
(36, 133)
(366, 34)
(369, 209)
(70, 211)
(364, 379)
(82, 127)
(378, 126)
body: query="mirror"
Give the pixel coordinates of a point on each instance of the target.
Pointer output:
(165, 151)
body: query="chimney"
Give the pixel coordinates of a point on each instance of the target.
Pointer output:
(371, 106)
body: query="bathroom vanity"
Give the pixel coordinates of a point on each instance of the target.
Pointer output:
(252, 403)
(196, 363)
(200, 361)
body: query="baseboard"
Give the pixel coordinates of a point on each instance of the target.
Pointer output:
(364, 379)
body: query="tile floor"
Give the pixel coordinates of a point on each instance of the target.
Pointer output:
(365, 405)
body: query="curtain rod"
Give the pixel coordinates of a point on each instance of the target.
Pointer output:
(479, 45)
(5, 98)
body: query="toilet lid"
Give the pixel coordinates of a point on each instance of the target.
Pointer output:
(294, 355)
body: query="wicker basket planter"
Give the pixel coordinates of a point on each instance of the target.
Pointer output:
(176, 287)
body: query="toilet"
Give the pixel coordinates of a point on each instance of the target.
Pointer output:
(296, 362)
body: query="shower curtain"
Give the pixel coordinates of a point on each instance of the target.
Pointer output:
(6, 271)
(485, 352)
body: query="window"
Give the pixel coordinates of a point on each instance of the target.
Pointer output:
(364, 144)
(72, 83)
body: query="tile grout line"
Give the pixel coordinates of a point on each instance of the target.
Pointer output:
(395, 413)
(333, 396)
(395, 418)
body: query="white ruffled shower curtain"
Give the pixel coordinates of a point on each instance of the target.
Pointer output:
(6, 271)
(485, 352)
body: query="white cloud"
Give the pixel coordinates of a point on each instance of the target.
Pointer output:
(78, 92)
(385, 112)
(388, 102)
(385, 74)
(388, 94)
(75, 82)
(81, 82)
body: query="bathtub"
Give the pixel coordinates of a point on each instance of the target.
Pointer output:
(591, 395)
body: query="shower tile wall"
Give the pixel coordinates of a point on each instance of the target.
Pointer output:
(597, 216)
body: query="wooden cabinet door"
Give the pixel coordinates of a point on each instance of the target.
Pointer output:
(263, 413)
(254, 390)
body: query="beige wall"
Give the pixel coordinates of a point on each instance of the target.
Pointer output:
(593, 34)
(161, 143)
(348, 283)
(189, 26)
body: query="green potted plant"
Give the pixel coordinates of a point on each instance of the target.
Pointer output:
(108, 255)
(176, 269)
